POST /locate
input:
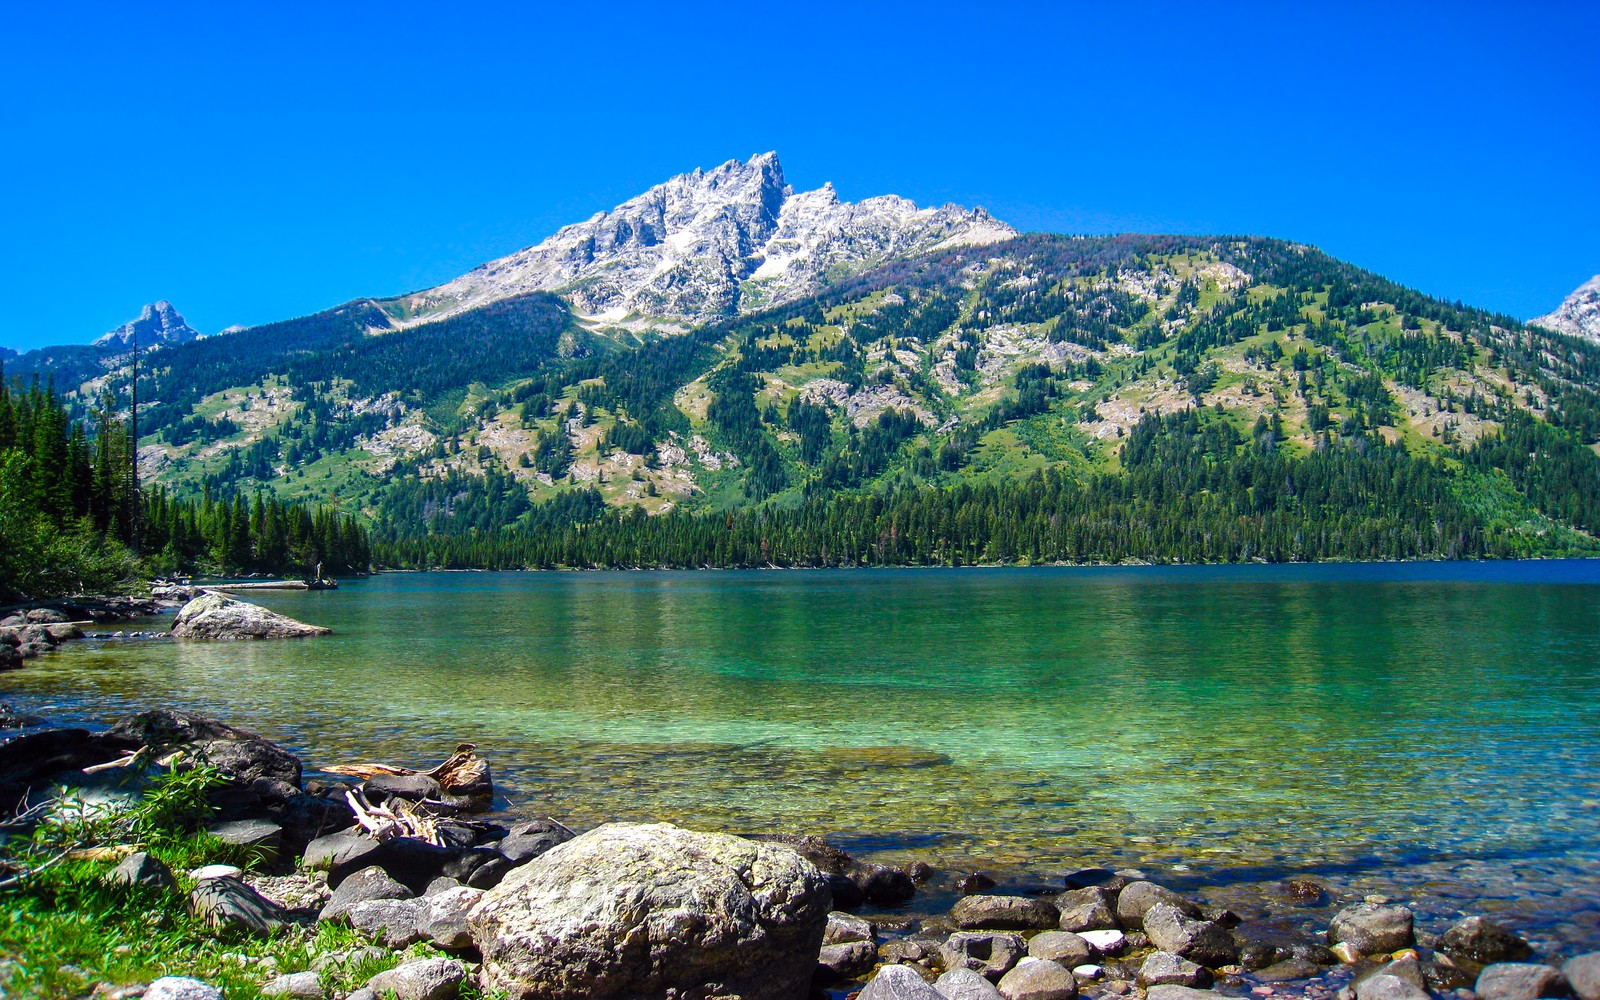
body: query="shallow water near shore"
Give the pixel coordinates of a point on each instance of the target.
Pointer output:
(1428, 731)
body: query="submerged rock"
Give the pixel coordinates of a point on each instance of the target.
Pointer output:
(216, 616)
(1372, 928)
(654, 911)
(1483, 942)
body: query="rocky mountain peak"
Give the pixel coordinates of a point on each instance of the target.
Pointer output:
(1579, 315)
(157, 323)
(708, 245)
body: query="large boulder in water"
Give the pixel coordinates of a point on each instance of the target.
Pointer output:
(653, 911)
(217, 616)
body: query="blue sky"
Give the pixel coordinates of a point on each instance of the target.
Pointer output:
(254, 162)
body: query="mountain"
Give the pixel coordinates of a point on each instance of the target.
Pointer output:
(1579, 315)
(818, 383)
(157, 323)
(706, 246)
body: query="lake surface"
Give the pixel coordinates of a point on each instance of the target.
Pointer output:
(1429, 731)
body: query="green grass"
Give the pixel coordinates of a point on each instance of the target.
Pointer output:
(64, 930)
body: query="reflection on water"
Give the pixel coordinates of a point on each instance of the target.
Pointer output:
(1362, 721)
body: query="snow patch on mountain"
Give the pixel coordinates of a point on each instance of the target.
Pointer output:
(709, 245)
(1579, 315)
(157, 323)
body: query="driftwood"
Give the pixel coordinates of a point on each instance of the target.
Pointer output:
(396, 818)
(463, 777)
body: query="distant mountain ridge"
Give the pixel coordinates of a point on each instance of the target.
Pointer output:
(1579, 314)
(157, 323)
(708, 245)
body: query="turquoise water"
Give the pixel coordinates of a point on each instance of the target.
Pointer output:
(1423, 730)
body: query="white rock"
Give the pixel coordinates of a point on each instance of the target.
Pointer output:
(215, 871)
(1579, 315)
(1105, 942)
(181, 988)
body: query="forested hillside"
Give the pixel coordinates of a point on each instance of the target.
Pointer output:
(1044, 399)
(70, 521)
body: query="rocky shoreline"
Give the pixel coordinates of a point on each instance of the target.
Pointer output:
(530, 908)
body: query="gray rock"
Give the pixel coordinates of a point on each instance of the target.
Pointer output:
(1519, 981)
(744, 917)
(1088, 909)
(1199, 941)
(1039, 980)
(181, 988)
(964, 984)
(424, 979)
(367, 884)
(1483, 942)
(897, 982)
(261, 836)
(440, 884)
(1137, 897)
(1004, 913)
(1181, 993)
(1162, 968)
(1583, 975)
(1060, 946)
(45, 616)
(216, 616)
(228, 904)
(145, 870)
(906, 950)
(64, 632)
(1388, 987)
(390, 922)
(411, 787)
(295, 986)
(443, 920)
(1372, 928)
(990, 955)
(881, 885)
(846, 927)
(527, 841)
(847, 960)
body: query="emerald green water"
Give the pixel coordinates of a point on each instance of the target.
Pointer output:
(1423, 730)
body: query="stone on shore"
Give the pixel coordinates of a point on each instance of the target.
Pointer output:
(654, 911)
(1105, 942)
(964, 984)
(1389, 987)
(881, 885)
(217, 616)
(846, 927)
(1091, 908)
(1483, 942)
(847, 960)
(1162, 968)
(1519, 981)
(423, 979)
(1004, 913)
(991, 955)
(443, 917)
(527, 841)
(181, 988)
(1583, 975)
(367, 884)
(1199, 941)
(897, 982)
(1060, 946)
(1038, 979)
(143, 869)
(1137, 897)
(1372, 928)
(10, 657)
(390, 922)
(295, 986)
(226, 903)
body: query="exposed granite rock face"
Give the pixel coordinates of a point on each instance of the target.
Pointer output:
(1579, 315)
(710, 245)
(217, 616)
(157, 323)
(654, 911)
